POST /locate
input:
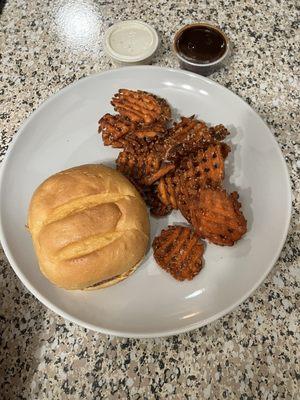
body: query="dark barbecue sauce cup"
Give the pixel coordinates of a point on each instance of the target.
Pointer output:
(201, 47)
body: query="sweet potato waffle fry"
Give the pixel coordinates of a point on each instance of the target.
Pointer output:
(150, 196)
(146, 168)
(178, 251)
(136, 145)
(168, 190)
(204, 168)
(150, 132)
(219, 132)
(173, 192)
(114, 128)
(182, 168)
(216, 216)
(141, 107)
(185, 137)
(157, 208)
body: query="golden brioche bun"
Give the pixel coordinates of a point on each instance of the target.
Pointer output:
(89, 226)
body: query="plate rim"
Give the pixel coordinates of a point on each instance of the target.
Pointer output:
(126, 334)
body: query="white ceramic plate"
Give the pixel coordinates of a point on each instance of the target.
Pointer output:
(63, 133)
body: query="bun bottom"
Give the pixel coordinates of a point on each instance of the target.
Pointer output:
(113, 281)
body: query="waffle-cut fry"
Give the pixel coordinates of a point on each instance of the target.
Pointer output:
(136, 145)
(181, 167)
(141, 107)
(184, 204)
(225, 149)
(150, 132)
(167, 190)
(150, 196)
(163, 170)
(178, 251)
(216, 216)
(126, 164)
(157, 208)
(173, 192)
(204, 168)
(219, 132)
(184, 138)
(146, 168)
(114, 128)
(132, 167)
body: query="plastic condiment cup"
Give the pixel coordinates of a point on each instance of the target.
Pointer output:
(131, 42)
(202, 68)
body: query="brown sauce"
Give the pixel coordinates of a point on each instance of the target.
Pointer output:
(200, 43)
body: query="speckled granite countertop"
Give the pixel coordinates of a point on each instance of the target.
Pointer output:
(43, 49)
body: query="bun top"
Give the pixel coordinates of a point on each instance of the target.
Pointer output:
(88, 225)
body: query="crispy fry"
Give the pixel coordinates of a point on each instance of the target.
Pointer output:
(113, 128)
(216, 216)
(184, 138)
(150, 132)
(126, 164)
(117, 130)
(219, 132)
(225, 149)
(160, 173)
(145, 167)
(173, 192)
(178, 251)
(134, 169)
(184, 205)
(204, 168)
(141, 107)
(167, 188)
(150, 196)
(177, 168)
(157, 208)
(138, 146)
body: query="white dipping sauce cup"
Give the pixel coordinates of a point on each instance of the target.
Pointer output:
(131, 43)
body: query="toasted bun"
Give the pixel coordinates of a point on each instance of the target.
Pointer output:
(89, 226)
